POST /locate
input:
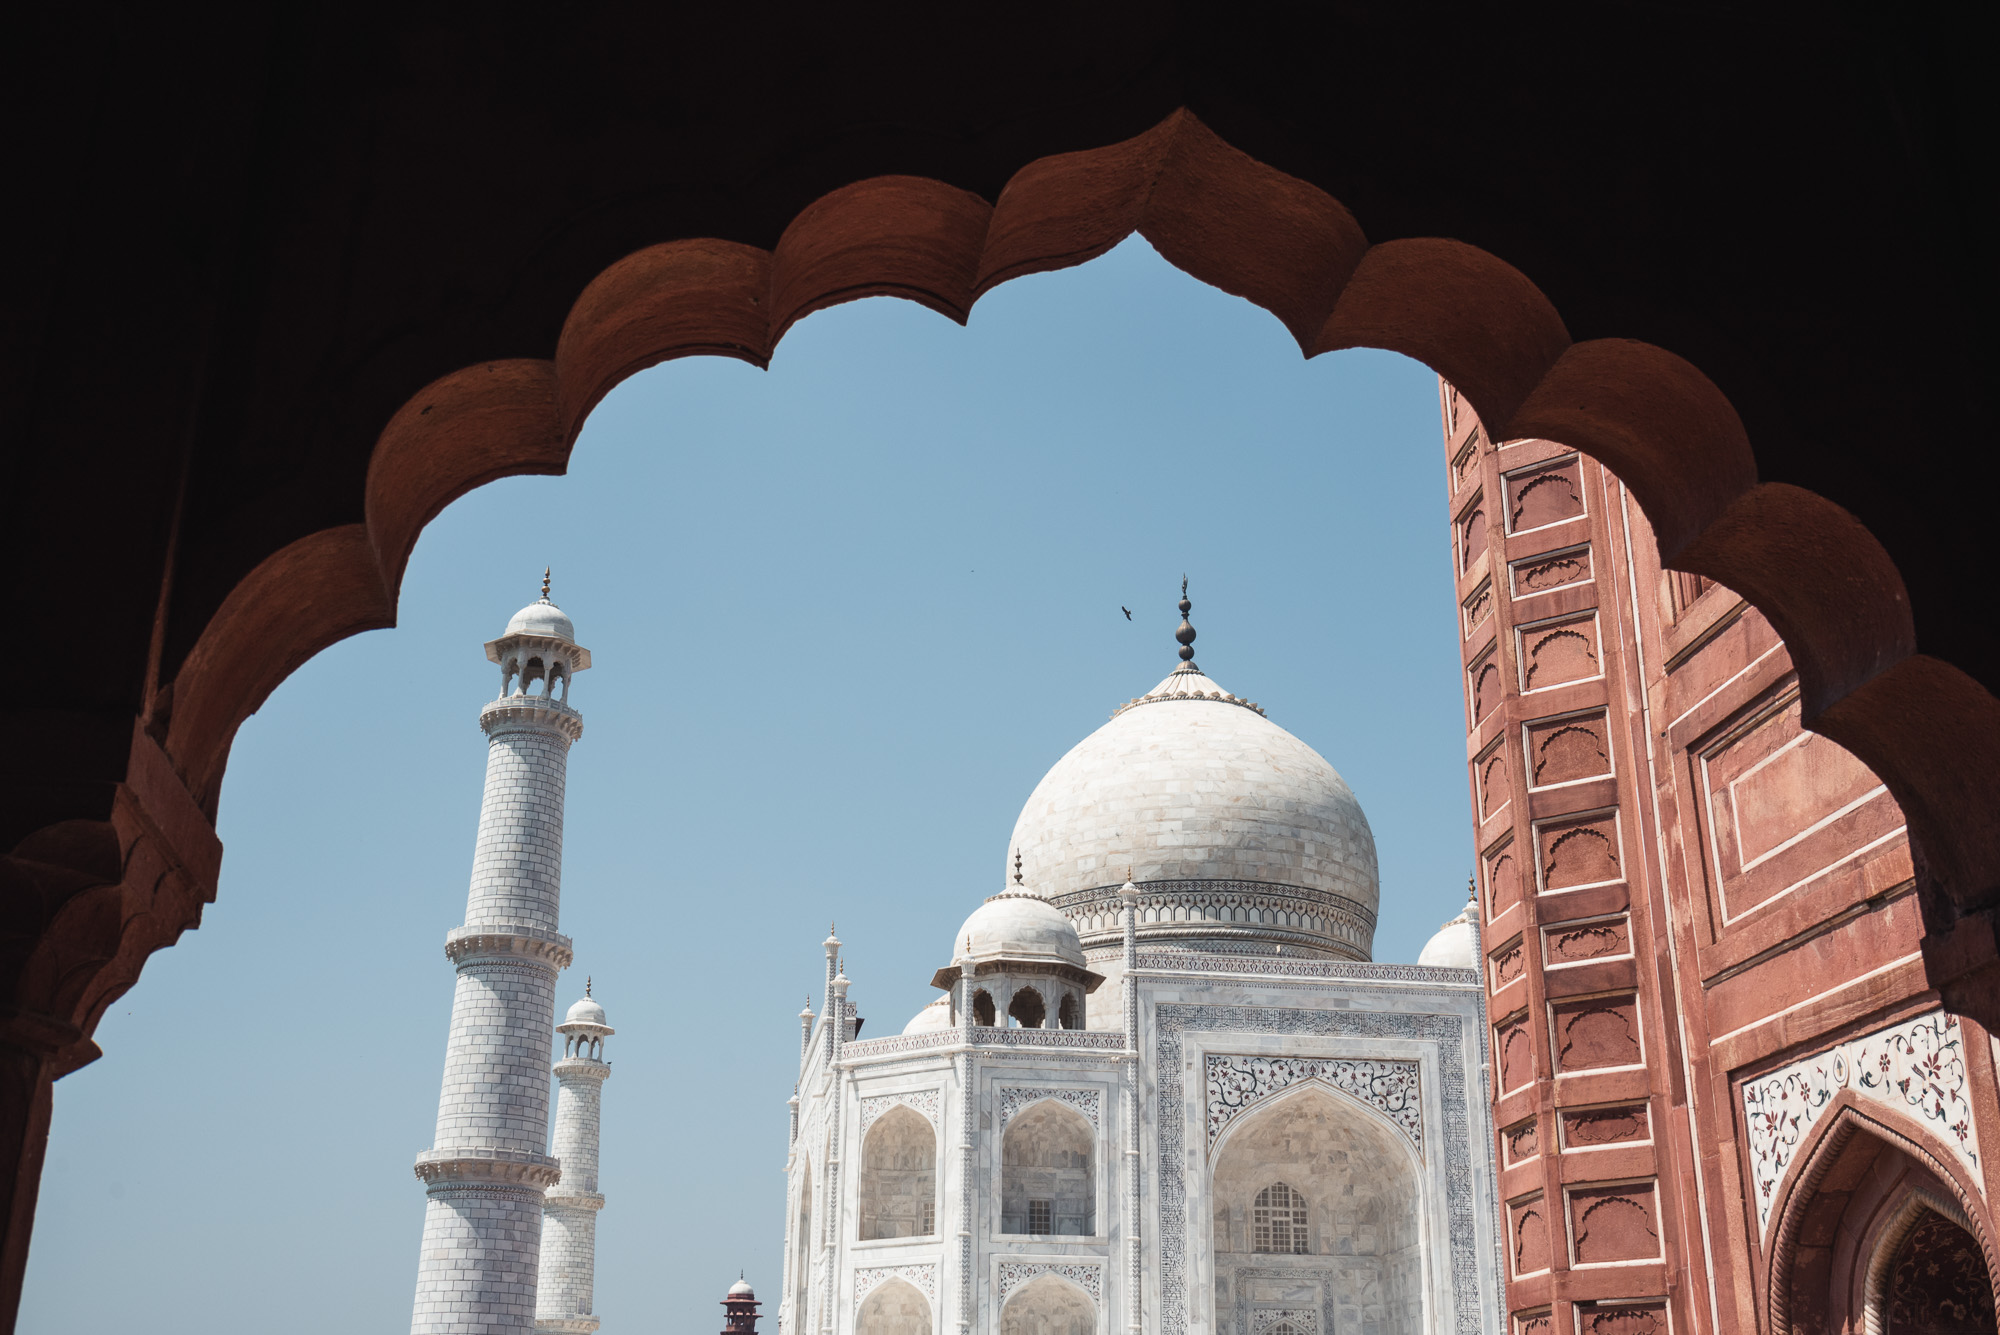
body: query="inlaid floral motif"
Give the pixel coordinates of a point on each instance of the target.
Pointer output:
(1392, 1087)
(1089, 1278)
(1013, 1098)
(923, 1101)
(922, 1277)
(1917, 1067)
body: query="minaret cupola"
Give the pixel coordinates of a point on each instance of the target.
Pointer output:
(538, 652)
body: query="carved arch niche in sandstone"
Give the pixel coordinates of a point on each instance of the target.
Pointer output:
(1048, 1183)
(893, 1307)
(1875, 1237)
(1361, 1262)
(1048, 1305)
(898, 1195)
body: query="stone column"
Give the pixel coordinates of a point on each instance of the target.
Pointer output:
(568, 1271)
(488, 1166)
(1128, 896)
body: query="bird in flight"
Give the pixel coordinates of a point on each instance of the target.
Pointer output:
(1126, 610)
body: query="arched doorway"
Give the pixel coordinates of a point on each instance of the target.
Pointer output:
(1873, 1237)
(1047, 1182)
(1317, 1217)
(898, 1187)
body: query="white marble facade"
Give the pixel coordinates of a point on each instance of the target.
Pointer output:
(1296, 1139)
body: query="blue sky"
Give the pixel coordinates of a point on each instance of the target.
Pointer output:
(845, 613)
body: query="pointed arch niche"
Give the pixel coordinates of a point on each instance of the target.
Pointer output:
(1048, 1304)
(893, 1307)
(898, 1188)
(1873, 1235)
(1048, 1172)
(1350, 1180)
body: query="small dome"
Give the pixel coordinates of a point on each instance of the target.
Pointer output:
(543, 617)
(932, 1019)
(586, 1011)
(741, 1289)
(1017, 925)
(1456, 945)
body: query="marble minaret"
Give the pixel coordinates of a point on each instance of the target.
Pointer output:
(569, 1218)
(489, 1165)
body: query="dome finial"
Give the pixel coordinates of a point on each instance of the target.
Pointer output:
(1017, 866)
(545, 583)
(1186, 632)
(586, 985)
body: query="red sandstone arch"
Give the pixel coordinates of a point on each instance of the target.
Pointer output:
(1848, 1125)
(118, 890)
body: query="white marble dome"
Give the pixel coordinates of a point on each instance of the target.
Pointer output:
(1192, 784)
(932, 1018)
(542, 618)
(1017, 925)
(586, 1011)
(1456, 945)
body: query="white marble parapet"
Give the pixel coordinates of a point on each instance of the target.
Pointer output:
(539, 712)
(465, 945)
(487, 1165)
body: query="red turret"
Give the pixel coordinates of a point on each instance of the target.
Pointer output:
(739, 1309)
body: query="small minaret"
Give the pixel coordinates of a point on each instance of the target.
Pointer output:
(569, 1219)
(739, 1309)
(489, 1164)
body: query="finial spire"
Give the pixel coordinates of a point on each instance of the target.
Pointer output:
(545, 583)
(586, 985)
(1186, 632)
(1017, 866)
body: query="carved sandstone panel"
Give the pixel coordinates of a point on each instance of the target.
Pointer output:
(1556, 570)
(1478, 607)
(1592, 1033)
(1555, 653)
(1522, 1141)
(1484, 683)
(1513, 1052)
(1503, 878)
(1532, 1323)
(1578, 850)
(1472, 535)
(1583, 942)
(1642, 1318)
(1490, 777)
(1508, 963)
(1549, 494)
(1588, 1128)
(1528, 1235)
(1785, 806)
(1567, 750)
(1609, 1224)
(1462, 470)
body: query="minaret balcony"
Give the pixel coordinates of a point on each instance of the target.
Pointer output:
(466, 945)
(531, 711)
(487, 1165)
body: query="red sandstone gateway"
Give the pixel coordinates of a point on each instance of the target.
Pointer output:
(1725, 1092)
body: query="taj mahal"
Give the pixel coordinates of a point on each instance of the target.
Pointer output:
(1163, 1088)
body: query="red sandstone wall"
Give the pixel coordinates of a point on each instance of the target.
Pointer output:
(1682, 890)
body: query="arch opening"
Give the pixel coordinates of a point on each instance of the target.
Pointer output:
(897, 1196)
(1048, 1185)
(1315, 1203)
(894, 1307)
(802, 1245)
(1027, 1009)
(1047, 1305)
